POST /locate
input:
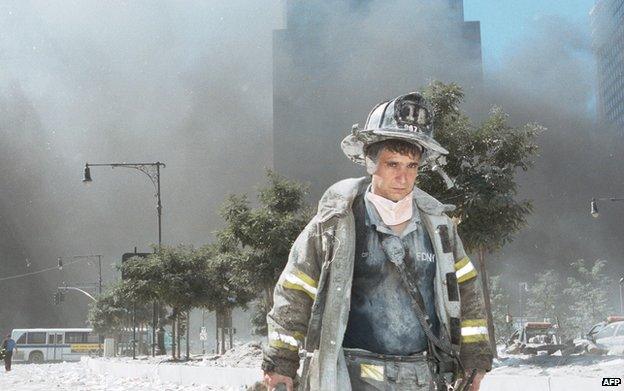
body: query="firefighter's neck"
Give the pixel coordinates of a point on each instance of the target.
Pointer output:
(396, 215)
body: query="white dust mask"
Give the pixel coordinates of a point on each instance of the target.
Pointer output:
(392, 213)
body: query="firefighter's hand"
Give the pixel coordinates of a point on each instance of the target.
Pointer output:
(476, 382)
(272, 379)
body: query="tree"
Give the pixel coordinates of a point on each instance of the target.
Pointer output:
(547, 299)
(501, 301)
(111, 315)
(256, 241)
(483, 161)
(184, 278)
(588, 290)
(107, 315)
(175, 276)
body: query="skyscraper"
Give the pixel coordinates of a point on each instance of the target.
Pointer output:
(336, 59)
(607, 22)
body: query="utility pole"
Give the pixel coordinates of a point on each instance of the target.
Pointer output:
(99, 260)
(523, 287)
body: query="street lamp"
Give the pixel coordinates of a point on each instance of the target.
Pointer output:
(593, 208)
(87, 175)
(593, 205)
(152, 170)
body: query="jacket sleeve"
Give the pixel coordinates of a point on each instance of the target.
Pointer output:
(294, 294)
(475, 348)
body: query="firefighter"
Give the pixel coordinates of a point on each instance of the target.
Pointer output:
(378, 292)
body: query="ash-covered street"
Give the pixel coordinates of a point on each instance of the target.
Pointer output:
(77, 377)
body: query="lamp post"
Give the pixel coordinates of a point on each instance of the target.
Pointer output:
(593, 205)
(152, 170)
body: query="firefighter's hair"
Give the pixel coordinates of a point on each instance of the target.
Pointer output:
(393, 145)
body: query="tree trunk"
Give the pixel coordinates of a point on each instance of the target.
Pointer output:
(173, 334)
(222, 340)
(217, 332)
(188, 323)
(161, 349)
(486, 297)
(178, 331)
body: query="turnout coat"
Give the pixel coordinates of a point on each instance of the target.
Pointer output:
(313, 295)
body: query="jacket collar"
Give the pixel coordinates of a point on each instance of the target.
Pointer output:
(338, 199)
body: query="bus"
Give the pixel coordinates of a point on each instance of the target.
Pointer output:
(39, 345)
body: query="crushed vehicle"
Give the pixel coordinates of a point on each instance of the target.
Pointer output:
(535, 337)
(611, 336)
(602, 338)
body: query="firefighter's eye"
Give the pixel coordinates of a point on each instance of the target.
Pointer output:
(393, 164)
(413, 165)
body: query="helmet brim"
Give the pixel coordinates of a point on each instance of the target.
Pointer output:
(353, 145)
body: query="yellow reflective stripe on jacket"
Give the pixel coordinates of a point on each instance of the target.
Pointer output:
(474, 330)
(375, 372)
(298, 280)
(465, 270)
(284, 340)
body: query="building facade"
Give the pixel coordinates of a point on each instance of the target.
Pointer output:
(607, 22)
(335, 60)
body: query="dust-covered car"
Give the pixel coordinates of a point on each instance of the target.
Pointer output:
(535, 337)
(611, 338)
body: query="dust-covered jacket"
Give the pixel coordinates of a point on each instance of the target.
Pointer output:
(313, 294)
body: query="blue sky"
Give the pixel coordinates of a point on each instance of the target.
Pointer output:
(505, 23)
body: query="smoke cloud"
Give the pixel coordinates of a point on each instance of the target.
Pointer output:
(184, 83)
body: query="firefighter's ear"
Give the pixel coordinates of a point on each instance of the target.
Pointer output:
(371, 166)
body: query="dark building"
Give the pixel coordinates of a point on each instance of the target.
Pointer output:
(607, 22)
(335, 60)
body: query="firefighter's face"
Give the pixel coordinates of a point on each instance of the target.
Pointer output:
(395, 175)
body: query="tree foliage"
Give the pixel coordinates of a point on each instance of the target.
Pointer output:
(180, 277)
(547, 299)
(112, 312)
(575, 300)
(483, 161)
(256, 241)
(588, 292)
(501, 303)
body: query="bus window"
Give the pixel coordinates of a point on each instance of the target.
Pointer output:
(22, 339)
(37, 337)
(93, 338)
(75, 337)
(52, 340)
